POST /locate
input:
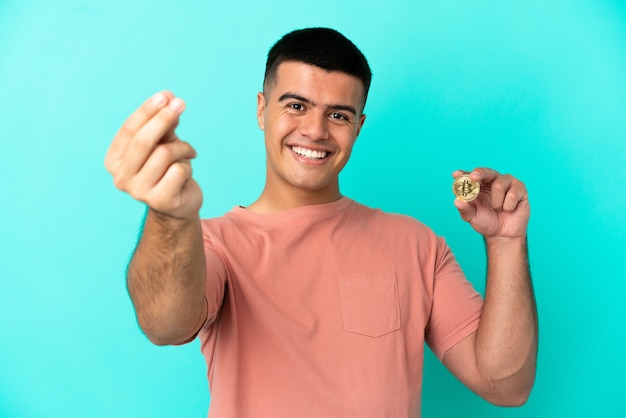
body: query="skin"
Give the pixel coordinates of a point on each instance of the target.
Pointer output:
(166, 274)
(312, 109)
(498, 361)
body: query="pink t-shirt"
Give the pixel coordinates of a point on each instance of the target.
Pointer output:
(323, 311)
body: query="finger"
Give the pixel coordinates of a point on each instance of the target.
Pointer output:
(167, 194)
(151, 133)
(517, 193)
(484, 175)
(457, 173)
(147, 110)
(466, 210)
(157, 165)
(134, 122)
(170, 135)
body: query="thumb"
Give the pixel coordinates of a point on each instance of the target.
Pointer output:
(466, 210)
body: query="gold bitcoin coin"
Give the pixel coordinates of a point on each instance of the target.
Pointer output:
(465, 189)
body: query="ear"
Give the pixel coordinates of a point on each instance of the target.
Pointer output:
(260, 110)
(361, 122)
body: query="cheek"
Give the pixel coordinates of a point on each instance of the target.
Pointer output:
(284, 125)
(276, 132)
(346, 137)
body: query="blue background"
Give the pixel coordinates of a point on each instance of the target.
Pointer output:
(534, 88)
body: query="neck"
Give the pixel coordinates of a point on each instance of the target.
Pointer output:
(274, 201)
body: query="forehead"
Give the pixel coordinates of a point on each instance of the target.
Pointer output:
(317, 84)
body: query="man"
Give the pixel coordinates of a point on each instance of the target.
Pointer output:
(306, 302)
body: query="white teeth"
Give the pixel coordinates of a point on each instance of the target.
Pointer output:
(307, 153)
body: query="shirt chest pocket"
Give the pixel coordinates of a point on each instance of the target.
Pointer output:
(369, 303)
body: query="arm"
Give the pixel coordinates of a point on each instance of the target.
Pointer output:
(498, 361)
(166, 279)
(166, 275)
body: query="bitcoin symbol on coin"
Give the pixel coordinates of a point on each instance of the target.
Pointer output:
(464, 188)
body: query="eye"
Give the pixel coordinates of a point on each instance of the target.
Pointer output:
(296, 106)
(338, 116)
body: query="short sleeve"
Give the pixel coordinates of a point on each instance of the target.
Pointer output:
(456, 305)
(216, 275)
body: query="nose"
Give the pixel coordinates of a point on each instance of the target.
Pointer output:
(314, 126)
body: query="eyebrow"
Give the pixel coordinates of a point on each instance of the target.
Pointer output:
(293, 96)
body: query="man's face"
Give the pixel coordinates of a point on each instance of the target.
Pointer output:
(311, 118)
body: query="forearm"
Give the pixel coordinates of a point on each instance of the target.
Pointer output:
(506, 340)
(166, 279)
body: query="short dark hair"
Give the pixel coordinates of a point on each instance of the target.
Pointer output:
(322, 47)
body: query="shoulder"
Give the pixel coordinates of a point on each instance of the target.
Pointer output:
(212, 224)
(395, 229)
(390, 219)
(218, 228)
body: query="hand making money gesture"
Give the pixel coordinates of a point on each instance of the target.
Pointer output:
(148, 161)
(501, 209)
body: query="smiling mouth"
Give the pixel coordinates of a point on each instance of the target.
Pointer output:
(310, 154)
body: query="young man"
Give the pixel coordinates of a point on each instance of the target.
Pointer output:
(306, 302)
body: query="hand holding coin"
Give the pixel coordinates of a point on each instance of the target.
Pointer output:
(494, 204)
(465, 188)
